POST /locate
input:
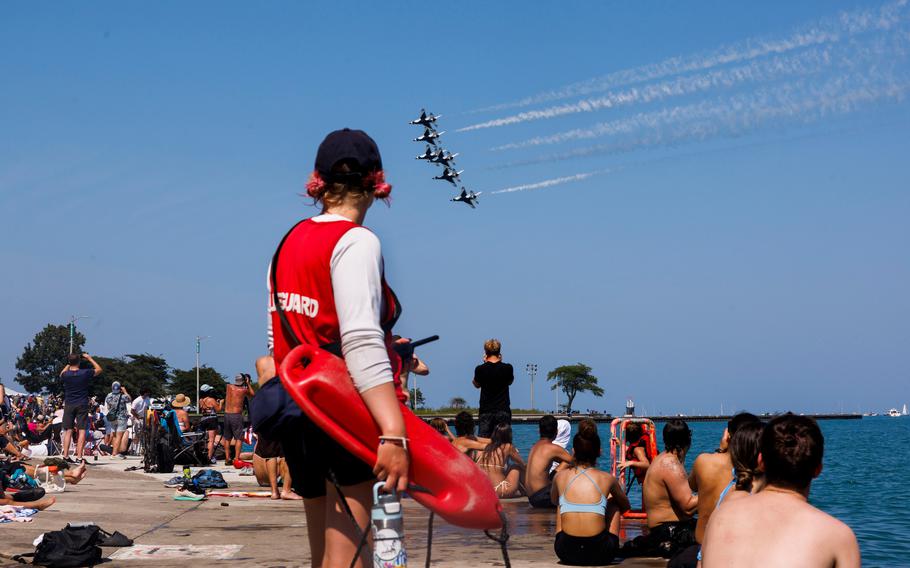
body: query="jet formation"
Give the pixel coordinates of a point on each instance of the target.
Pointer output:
(436, 154)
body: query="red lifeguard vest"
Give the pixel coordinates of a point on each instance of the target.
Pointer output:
(306, 296)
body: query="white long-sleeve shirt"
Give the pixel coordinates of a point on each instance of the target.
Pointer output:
(356, 269)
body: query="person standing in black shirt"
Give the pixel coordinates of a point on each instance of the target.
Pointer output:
(493, 378)
(76, 387)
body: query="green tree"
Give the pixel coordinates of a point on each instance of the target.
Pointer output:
(419, 401)
(573, 379)
(458, 402)
(185, 382)
(135, 372)
(42, 360)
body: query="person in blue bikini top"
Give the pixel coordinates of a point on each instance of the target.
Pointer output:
(591, 503)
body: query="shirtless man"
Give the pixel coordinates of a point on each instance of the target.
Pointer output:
(465, 441)
(711, 474)
(777, 526)
(268, 458)
(538, 478)
(209, 407)
(667, 497)
(233, 416)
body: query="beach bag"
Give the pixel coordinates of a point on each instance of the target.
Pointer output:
(209, 479)
(51, 481)
(68, 548)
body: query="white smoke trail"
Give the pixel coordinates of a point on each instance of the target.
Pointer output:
(827, 30)
(787, 99)
(809, 62)
(551, 182)
(736, 120)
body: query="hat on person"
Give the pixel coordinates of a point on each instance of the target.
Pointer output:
(115, 387)
(239, 379)
(180, 401)
(206, 388)
(347, 145)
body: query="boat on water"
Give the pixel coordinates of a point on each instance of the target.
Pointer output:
(904, 410)
(894, 413)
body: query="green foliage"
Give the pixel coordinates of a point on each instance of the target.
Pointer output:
(417, 399)
(42, 360)
(135, 372)
(573, 379)
(185, 382)
(458, 403)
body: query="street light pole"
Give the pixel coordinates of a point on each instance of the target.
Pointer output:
(198, 345)
(531, 368)
(73, 320)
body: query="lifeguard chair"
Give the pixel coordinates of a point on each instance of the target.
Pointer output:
(618, 447)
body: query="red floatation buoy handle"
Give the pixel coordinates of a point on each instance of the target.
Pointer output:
(456, 489)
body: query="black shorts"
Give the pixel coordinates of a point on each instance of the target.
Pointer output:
(233, 426)
(586, 550)
(75, 415)
(685, 558)
(310, 454)
(267, 448)
(207, 423)
(541, 499)
(487, 421)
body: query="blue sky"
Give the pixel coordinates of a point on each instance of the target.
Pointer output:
(737, 234)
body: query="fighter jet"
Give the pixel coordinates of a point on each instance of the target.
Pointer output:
(429, 135)
(468, 197)
(428, 155)
(440, 157)
(426, 120)
(450, 176)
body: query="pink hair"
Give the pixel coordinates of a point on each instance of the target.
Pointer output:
(316, 186)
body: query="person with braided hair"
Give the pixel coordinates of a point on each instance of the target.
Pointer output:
(777, 526)
(327, 289)
(712, 476)
(745, 446)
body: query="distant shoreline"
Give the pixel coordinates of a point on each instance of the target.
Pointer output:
(608, 418)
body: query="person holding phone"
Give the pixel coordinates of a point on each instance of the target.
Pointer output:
(76, 387)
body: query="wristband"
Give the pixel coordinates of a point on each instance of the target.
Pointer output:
(402, 439)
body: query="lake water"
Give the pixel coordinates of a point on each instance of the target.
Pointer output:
(864, 482)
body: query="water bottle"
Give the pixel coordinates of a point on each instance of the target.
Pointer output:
(388, 530)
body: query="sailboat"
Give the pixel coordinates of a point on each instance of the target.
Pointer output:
(904, 410)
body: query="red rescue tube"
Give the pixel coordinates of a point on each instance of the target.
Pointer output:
(460, 493)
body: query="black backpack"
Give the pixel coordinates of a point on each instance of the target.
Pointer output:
(74, 546)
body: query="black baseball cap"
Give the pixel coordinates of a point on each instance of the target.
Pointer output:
(348, 145)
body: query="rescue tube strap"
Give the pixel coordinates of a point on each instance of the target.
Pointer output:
(502, 539)
(291, 337)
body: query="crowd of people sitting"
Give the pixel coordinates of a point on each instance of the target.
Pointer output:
(699, 518)
(747, 500)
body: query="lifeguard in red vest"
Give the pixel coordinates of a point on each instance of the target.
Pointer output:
(327, 288)
(638, 452)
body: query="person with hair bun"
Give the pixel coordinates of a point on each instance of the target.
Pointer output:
(327, 289)
(777, 526)
(590, 505)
